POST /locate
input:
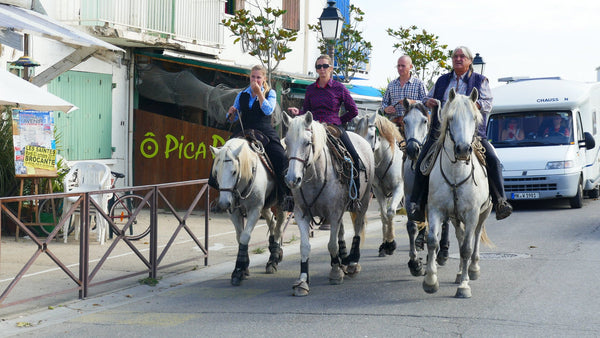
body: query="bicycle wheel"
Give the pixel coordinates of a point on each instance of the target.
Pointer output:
(45, 215)
(122, 211)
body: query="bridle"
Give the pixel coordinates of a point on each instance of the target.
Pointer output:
(245, 193)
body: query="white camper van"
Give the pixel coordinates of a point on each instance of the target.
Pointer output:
(546, 134)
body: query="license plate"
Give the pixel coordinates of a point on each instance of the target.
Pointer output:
(525, 195)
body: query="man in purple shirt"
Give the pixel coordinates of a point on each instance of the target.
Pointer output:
(324, 99)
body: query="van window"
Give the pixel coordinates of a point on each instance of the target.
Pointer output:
(523, 129)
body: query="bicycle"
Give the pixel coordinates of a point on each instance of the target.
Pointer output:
(121, 208)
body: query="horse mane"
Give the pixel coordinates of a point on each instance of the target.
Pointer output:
(460, 105)
(245, 158)
(388, 130)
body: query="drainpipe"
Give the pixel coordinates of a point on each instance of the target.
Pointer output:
(129, 151)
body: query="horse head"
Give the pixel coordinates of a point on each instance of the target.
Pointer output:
(304, 142)
(366, 128)
(416, 127)
(232, 165)
(460, 118)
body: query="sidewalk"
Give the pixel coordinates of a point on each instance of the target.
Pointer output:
(45, 277)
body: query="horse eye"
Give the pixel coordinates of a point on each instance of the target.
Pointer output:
(307, 143)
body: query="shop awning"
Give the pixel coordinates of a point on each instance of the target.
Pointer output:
(16, 19)
(195, 60)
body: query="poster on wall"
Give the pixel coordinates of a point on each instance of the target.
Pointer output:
(34, 143)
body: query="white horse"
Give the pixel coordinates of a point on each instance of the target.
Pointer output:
(458, 191)
(318, 191)
(246, 189)
(415, 128)
(388, 184)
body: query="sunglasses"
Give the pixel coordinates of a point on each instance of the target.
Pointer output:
(325, 66)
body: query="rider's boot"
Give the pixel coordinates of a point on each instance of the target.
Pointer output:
(418, 200)
(212, 181)
(501, 205)
(287, 202)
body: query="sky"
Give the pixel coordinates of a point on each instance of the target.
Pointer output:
(534, 38)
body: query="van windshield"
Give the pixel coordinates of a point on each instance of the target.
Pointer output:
(530, 128)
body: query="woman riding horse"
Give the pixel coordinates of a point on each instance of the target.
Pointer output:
(324, 99)
(257, 103)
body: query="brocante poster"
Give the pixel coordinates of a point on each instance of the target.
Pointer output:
(34, 143)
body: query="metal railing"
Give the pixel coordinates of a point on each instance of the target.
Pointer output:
(152, 195)
(196, 21)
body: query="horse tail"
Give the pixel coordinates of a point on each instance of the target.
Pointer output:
(485, 239)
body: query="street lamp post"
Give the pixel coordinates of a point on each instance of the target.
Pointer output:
(478, 64)
(331, 22)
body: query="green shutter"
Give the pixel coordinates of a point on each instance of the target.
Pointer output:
(84, 134)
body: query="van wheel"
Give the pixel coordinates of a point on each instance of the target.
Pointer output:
(577, 200)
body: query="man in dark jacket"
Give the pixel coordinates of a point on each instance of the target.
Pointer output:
(463, 80)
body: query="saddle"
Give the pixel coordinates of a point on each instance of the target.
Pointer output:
(257, 141)
(340, 154)
(432, 154)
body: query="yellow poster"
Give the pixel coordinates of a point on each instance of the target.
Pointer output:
(34, 143)
(38, 157)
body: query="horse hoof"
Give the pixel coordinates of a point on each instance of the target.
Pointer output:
(416, 268)
(474, 275)
(353, 270)
(382, 250)
(463, 292)
(431, 288)
(442, 257)
(237, 276)
(336, 275)
(390, 248)
(271, 267)
(300, 288)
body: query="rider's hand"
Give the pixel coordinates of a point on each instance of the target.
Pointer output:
(294, 111)
(231, 114)
(255, 88)
(390, 110)
(431, 103)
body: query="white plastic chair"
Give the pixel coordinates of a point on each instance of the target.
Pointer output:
(88, 176)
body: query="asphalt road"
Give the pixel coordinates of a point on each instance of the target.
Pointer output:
(539, 280)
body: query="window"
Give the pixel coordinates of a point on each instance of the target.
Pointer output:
(291, 19)
(233, 5)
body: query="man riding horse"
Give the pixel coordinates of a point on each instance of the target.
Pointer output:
(463, 79)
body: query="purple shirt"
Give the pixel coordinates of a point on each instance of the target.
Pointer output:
(324, 103)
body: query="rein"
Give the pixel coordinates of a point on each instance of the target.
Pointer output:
(454, 186)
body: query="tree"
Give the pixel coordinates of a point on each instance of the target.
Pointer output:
(429, 57)
(351, 51)
(262, 35)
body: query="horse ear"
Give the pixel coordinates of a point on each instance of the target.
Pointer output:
(474, 95)
(406, 105)
(308, 118)
(214, 151)
(372, 118)
(451, 95)
(285, 118)
(361, 124)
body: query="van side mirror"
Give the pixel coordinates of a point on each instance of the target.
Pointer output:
(588, 141)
